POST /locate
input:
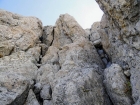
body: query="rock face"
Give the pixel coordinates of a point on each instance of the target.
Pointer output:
(94, 36)
(31, 99)
(117, 85)
(47, 38)
(17, 72)
(67, 31)
(19, 38)
(72, 67)
(120, 36)
(67, 65)
(18, 33)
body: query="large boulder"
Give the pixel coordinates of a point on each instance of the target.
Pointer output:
(18, 33)
(67, 31)
(117, 85)
(17, 73)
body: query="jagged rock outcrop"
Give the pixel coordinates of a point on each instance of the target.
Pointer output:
(19, 55)
(65, 64)
(120, 36)
(17, 73)
(18, 33)
(70, 71)
(72, 67)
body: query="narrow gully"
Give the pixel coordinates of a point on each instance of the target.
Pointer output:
(103, 55)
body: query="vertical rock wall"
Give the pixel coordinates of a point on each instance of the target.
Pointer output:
(120, 36)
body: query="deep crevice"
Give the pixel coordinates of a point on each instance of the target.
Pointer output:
(37, 94)
(53, 32)
(107, 62)
(20, 100)
(103, 55)
(41, 54)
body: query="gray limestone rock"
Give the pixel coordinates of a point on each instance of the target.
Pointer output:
(17, 72)
(79, 79)
(37, 88)
(94, 35)
(70, 63)
(117, 85)
(31, 99)
(48, 102)
(67, 31)
(46, 92)
(73, 68)
(87, 33)
(48, 35)
(35, 52)
(138, 102)
(119, 31)
(18, 33)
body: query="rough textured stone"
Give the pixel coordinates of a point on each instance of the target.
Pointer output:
(17, 32)
(37, 88)
(46, 92)
(47, 38)
(31, 99)
(35, 51)
(73, 68)
(48, 35)
(138, 102)
(125, 15)
(87, 31)
(47, 102)
(68, 61)
(117, 85)
(95, 36)
(120, 37)
(67, 31)
(16, 74)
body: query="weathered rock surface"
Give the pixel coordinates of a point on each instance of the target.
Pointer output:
(124, 15)
(35, 52)
(18, 33)
(48, 35)
(120, 37)
(17, 72)
(94, 35)
(46, 92)
(31, 99)
(47, 38)
(47, 102)
(117, 85)
(59, 65)
(67, 31)
(19, 38)
(73, 67)
(73, 82)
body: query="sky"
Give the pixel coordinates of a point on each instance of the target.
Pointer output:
(86, 12)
